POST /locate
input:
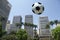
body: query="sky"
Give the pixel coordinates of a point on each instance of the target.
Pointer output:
(24, 7)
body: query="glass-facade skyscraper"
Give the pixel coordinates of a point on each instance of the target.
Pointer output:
(5, 7)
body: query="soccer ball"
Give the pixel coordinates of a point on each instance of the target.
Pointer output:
(37, 8)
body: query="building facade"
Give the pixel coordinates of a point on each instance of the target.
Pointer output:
(43, 32)
(13, 26)
(5, 7)
(17, 19)
(29, 29)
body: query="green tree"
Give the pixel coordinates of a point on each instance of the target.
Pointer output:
(51, 23)
(22, 34)
(2, 18)
(28, 24)
(9, 37)
(47, 26)
(34, 26)
(35, 30)
(36, 37)
(56, 33)
(12, 32)
(56, 21)
(19, 24)
(1, 31)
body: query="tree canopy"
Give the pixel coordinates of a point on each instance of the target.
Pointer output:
(22, 34)
(56, 33)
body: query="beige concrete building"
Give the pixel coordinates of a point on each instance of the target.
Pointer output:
(44, 34)
(16, 19)
(29, 29)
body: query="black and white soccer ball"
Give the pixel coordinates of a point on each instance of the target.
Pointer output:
(37, 8)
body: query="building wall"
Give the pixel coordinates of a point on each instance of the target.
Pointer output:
(29, 29)
(4, 11)
(17, 19)
(13, 27)
(43, 21)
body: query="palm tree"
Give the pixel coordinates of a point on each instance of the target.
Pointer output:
(32, 25)
(35, 30)
(35, 26)
(56, 21)
(47, 26)
(36, 37)
(28, 24)
(25, 24)
(19, 24)
(51, 23)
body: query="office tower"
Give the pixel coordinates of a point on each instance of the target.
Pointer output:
(29, 29)
(5, 7)
(14, 28)
(43, 31)
(16, 20)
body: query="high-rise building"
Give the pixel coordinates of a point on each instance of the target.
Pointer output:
(14, 28)
(5, 7)
(16, 20)
(29, 29)
(43, 31)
